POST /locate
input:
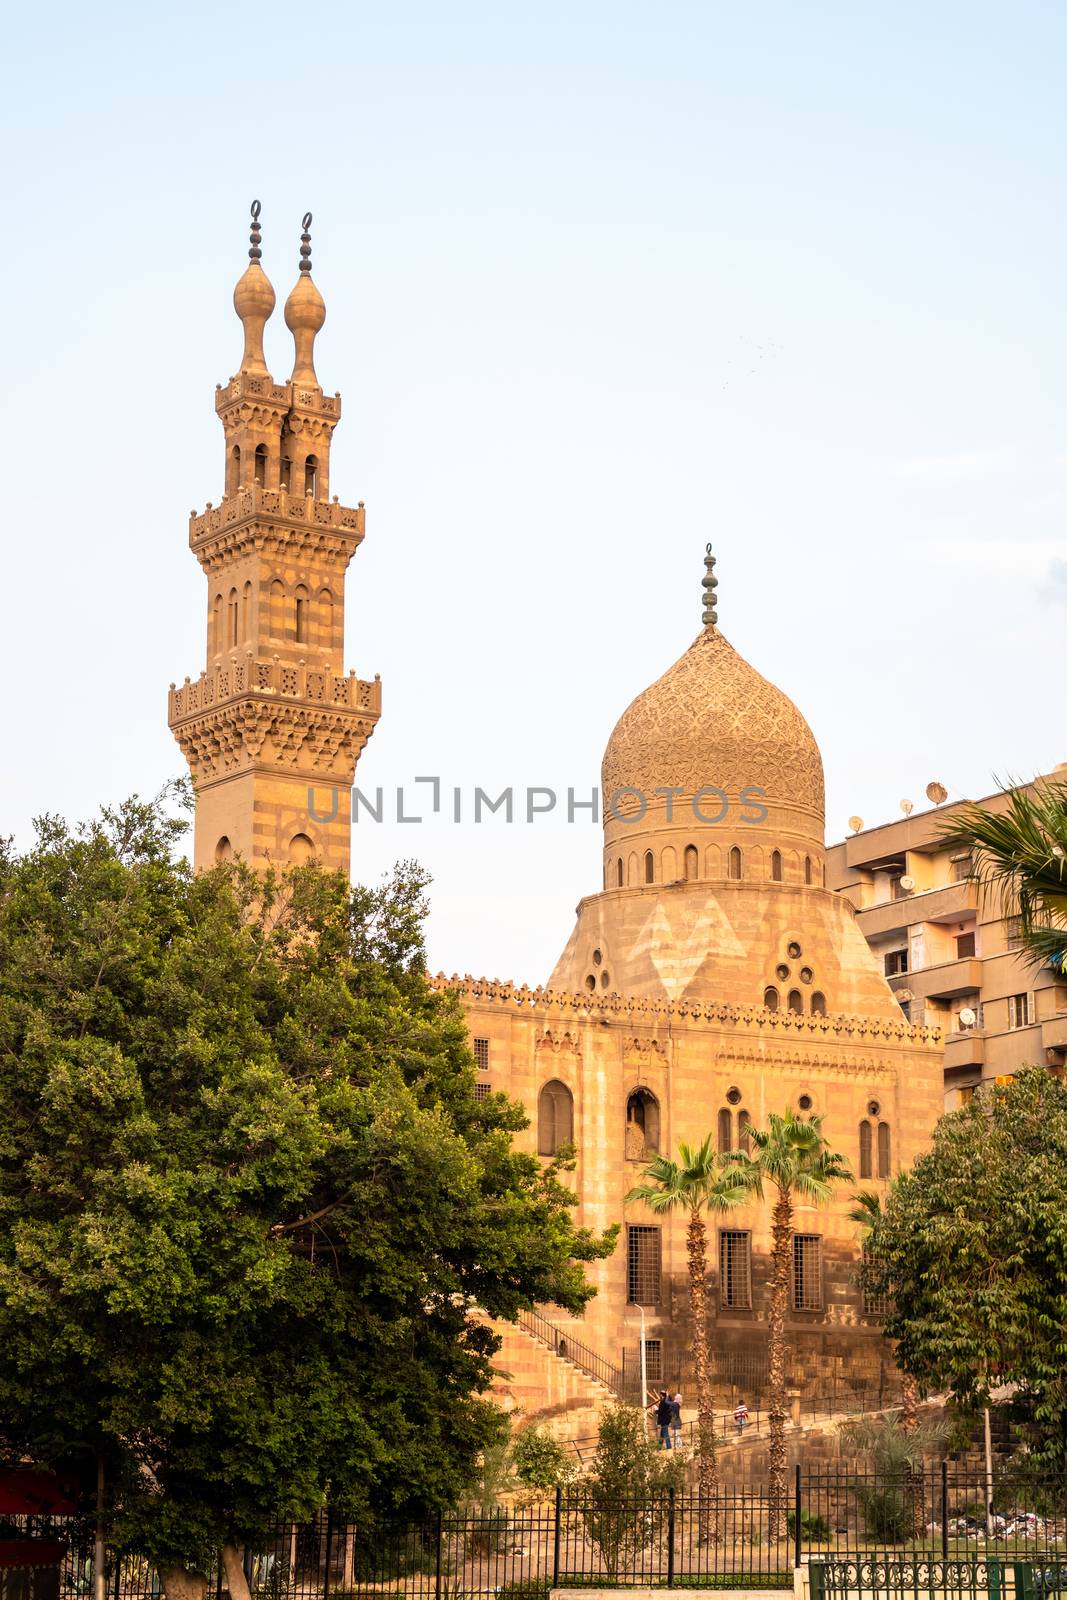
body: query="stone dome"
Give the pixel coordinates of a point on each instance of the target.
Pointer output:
(710, 721)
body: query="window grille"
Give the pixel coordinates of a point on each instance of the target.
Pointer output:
(483, 1090)
(654, 1360)
(965, 945)
(883, 1150)
(896, 962)
(1018, 1011)
(874, 1305)
(962, 867)
(866, 1142)
(807, 1272)
(1013, 930)
(555, 1117)
(481, 1054)
(643, 1264)
(735, 1270)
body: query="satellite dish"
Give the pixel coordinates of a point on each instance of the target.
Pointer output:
(907, 807)
(907, 883)
(903, 995)
(855, 823)
(968, 1018)
(936, 792)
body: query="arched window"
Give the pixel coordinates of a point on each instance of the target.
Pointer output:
(631, 867)
(301, 849)
(555, 1117)
(776, 866)
(326, 619)
(725, 1130)
(301, 615)
(865, 1150)
(642, 1125)
(795, 1003)
(277, 609)
(620, 875)
(246, 611)
(770, 999)
(216, 627)
(224, 849)
(311, 476)
(818, 1004)
(650, 867)
(744, 1126)
(261, 465)
(883, 1149)
(231, 631)
(233, 476)
(735, 862)
(285, 479)
(692, 862)
(807, 869)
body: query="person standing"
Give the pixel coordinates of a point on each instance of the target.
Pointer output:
(663, 1420)
(675, 1398)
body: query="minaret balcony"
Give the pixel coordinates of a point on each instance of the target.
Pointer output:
(242, 676)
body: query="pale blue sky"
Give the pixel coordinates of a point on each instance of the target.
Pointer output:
(603, 282)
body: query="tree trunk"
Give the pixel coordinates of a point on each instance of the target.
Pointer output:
(348, 1570)
(782, 1231)
(233, 1566)
(707, 1466)
(180, 1583)
(909, 1402)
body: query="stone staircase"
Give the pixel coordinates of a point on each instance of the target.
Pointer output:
(542, 1388)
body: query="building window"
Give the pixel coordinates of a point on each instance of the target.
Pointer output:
(807, 869)
(883, 1150)
(776, 866)
(1013, 931)
(232, 633)
(964, 946)
(286, 475)
(642, 1125)
(692, 862)
(744, 1128)
(311, 476)
(896, 962)
(896, 891)
(654, 1360)
(874, 1305)
(735, 862)
(807, 1272)
(224, 850)
(301, 615)
(326, 615)
(482, 1090)
(217, 626)
(1018, 1011)
(260, 465)
(555, 1117)
(481, 1054)
(818, 1004)
(795, 1002)
(962, 868)
(642, 1265)
(735, 1270)
(725, 1131)
(770, 999)
(866, 1150)
(650, 867)
(620, 876)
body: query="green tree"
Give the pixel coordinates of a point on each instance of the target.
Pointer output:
(697, 1183)
(892, 1495)
(542, 1463)
(1020, 855)
(247, 1197)
(792, 1157)
(971, 1247)
(867, 1211)
(627, 1480)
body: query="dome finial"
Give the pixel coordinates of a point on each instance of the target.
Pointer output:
(709, 583)
(305, 312)
(253, 301)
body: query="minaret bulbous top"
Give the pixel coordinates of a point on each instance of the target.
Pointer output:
(253, 301)
(305, 313)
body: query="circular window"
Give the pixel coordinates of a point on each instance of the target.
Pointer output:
(597, 958)
(781, 972)
(605, 978)
(590, 982)
(733, 1095)
(804, 1102)
(806, 974)
(873, 1108)
(793, 951)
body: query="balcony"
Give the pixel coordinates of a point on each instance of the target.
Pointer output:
(1054, 1033)
(964, 1050)
(953, 902)
(947, 981)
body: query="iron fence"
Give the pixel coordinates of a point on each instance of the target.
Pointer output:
(909, 1535)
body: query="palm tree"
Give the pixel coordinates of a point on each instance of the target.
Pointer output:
(1020, 853)
(867, 1211)
(697, 1182)
(792, 1156)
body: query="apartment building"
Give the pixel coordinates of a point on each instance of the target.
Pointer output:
(949, 954)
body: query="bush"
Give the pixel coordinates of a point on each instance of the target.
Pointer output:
(541, 1462)
(813, 1528)
(889, 1510)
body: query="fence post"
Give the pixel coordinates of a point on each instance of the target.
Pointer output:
(440, 1538)
(796, 1518)
(329, 1552)
(670, 1537)
(555, 1538)
(944, 1510)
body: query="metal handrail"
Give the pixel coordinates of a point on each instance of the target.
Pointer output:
(563, 1344)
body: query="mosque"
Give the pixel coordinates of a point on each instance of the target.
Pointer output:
(712, 979)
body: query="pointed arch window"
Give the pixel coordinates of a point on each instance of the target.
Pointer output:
(555, 1117)
(216, 626)
(795, 1003)
(285, 477)
(277, 609)
(734, 862)
(301, 615)
(883, 1150)
(261, 465)
(642, 1125)
(650, 867)
(311, 476)
(776, 866)
(326, 618)
(246, 611)
(744, 1132)
(866, 1140)
(807, 869)
(771, 999)
(692, 862)
(620, 874)
(725, 1130)
(232, 620)
(233, 476)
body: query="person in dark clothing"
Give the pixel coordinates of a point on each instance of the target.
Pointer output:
(664, 1413)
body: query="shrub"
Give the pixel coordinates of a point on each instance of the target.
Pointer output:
(813, 1528)
(541, 1462)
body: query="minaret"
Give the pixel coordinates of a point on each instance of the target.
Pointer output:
(273, 727)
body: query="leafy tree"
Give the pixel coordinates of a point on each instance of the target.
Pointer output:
(1020, 854)
(866, 1210)
(247, 1197)
(893, 1496)
(972, 1247)
(541, 1462)
(793, 1158)
(697, 1183)
(627, 1479)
